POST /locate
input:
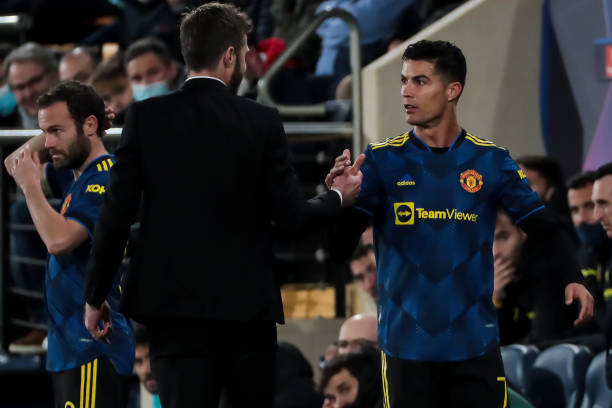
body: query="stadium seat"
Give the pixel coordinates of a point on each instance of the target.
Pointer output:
(557, 376)
(518, 360)
(596, 393)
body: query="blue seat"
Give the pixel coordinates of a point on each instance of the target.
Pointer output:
(596, 393)
(557, 376)
(518, 360)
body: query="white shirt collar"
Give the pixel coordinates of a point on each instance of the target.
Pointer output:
(206, 77)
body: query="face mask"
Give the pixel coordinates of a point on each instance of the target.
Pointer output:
(146, 91)
(591, 234)
(7, 101)
(117, 3)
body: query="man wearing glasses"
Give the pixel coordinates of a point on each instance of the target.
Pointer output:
(30, 71)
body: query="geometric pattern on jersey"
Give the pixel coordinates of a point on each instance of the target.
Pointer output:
(434, 216)
(69, 343)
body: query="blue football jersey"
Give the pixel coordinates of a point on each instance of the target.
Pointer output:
(70, 344)
(434, 215)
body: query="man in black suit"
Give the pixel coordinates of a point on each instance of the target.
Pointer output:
(211, 173)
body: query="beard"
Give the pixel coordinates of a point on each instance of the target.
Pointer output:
(236, 78)
(76, 153)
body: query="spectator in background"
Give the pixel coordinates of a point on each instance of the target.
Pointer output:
(295, 387)
(8, 103)
(602, 197)
(363, 269)
(150, 69)
(30, 71)
(356, 333)
(78, 64)
(110, 81)
(353, 380)
(595, 249)
(546, 179)
(529, 282)
(142, 363)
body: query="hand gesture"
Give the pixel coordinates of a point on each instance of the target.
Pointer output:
(109, 116)
(343, 161)
(25, 169)
(349, 182)
(577, 291)
(503, 274)
(96, 317)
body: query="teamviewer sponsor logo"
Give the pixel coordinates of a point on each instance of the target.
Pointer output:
(404, 213)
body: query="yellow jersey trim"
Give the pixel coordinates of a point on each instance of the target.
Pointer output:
(396, 141)
(481, 142)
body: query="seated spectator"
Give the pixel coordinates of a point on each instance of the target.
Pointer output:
(546, 179)
(602, 197)
(356, 333)
(353, 380)
(110, 81)
(78, 64)
(30, 71)
(8, 103)
(529, 288)
(295, 387)
(363, 269)
(594, 252)
(142, 363)
(150, 69)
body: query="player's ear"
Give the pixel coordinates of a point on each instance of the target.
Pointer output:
(90, 125)
(453, 91)
(229, 56)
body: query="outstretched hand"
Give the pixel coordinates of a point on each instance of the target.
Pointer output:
(342, 162)
(98, 321)
(576, 291)
(348, 182)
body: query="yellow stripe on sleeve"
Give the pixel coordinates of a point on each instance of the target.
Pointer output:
(105, 166)
(110, 163)
(99, 167)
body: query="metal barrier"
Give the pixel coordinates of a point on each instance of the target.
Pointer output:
(318, 110)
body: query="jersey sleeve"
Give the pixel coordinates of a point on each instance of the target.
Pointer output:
(59, 181)
(86, 202)
(369, 197)
(516, 196)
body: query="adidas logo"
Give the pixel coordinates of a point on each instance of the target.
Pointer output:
(406, 181)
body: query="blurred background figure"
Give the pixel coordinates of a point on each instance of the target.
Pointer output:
(8, 103)
(78, 64)
(110, 81)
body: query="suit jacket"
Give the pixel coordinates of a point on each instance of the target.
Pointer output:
(211, 171)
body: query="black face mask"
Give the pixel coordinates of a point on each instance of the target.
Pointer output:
(591, 234)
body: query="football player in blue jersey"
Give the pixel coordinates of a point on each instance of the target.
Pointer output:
(84, 372)
(432, 194)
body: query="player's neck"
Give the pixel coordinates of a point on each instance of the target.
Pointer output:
(441, 134)
(97, 150)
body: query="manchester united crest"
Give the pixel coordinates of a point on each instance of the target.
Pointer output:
(66, 204)
(471, 181)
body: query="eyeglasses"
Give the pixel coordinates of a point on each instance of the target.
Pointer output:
(29, 83)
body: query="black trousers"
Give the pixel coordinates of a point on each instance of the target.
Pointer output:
(474, 383)
(94, 384)
(193, 363)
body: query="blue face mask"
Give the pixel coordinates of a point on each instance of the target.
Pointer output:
(7, 101)
(117, 3)
(591, 234)
(146, 91)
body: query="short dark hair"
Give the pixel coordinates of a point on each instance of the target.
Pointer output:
(581, 180)
(109, 69)
(146, 45)
(141, 334)
(447, 58)
(207, 31)
(31, 52)
(361, 251)
(81, 99)
(547, 167)
(603, 171)
(365, 367)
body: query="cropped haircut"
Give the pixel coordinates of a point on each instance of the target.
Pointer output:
(447, 58)
(82, 102)
(209, 30)
(581, 180)
(603, 171)
(361, 251)
(547, 167)
(146, 45)
(109, 69)
(31, 52)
